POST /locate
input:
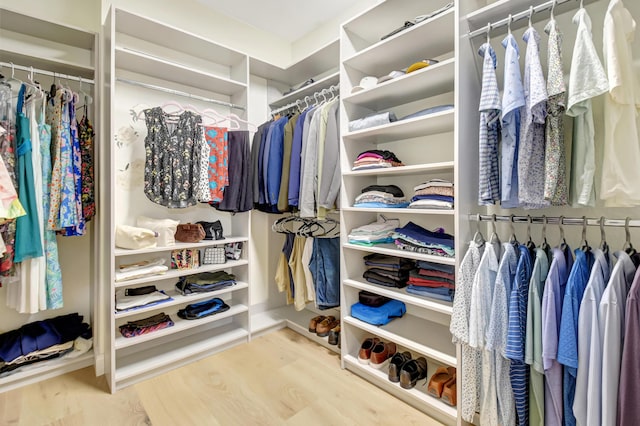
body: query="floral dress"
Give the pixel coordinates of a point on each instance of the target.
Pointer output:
(7, 151)
(72, 184)
(218, 161)
(85, 129)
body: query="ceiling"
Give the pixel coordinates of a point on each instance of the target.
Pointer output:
(289, 19)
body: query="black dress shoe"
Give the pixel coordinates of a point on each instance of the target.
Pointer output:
(412, 371)
(395, 365)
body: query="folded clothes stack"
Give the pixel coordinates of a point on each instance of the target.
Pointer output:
(146, 325)
(376, 159)
(203, 309)
(432, 280)
(379, 232)
(389, 271)
(141, 269)
(205, 282)
(381, 196)
(433, 194)
(134, 298)
(412, 237)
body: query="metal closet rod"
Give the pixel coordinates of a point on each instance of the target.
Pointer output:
(555, 220)
(178, 93)
(516, 17)
(293, 104)
(46, 72)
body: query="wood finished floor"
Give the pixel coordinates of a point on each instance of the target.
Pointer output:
(281, 378)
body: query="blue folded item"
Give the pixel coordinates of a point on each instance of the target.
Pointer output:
(375, 205)
(418, 233)
(428, 111)
(434, 197)
(423, 264)
(381, 315)
(203, 309)
(445, 294)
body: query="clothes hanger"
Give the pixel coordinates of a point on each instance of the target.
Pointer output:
(563, 242)
(530, 16)
(488, 32)
(495, 238)
(513, 239)
(553, 7)
(628, 247)
(478, 238)
(603, 238)
(509, 24)
(530, 244)
(545, 245)
(585, 245)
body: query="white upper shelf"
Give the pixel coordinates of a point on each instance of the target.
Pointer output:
(308, 90)
(414, 169)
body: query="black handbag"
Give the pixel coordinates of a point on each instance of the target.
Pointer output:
(212, 230)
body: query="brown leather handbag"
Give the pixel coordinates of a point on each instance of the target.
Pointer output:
(190, 232)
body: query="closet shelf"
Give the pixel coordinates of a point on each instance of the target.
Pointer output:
(389, 249)
(18, 57)
(430, 81)
(179, 299)
(179, 246)
(431, 339)
(309, 90)
(152, 66)
(431, 212)
(177, 352)
(179, 326)
(414, 169)
(432, 124)
(414, 44)
(176, 273)
(422, 397)
(401, 294)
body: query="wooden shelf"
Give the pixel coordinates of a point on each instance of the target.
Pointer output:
(416, 334)
(179, 299)
(177, 273)
(390, 250)
(179, 246)
(402, 295)
(432, 124)
(445, 166)
(309, 90)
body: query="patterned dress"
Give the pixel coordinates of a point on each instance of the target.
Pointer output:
(86, 134)
(218, 161)
(73, 184)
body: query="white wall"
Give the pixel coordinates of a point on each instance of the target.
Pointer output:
(83, 14)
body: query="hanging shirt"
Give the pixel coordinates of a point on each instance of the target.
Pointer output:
(283, 197)
(274, 157)
(309, 176)
(459, 328)
(533, 343)
(586, 81)
(586, 405)
(620, 171)
(497, 337)
(555, 179)
(479, 318)
(628, 407)
(489, 178)
(612, 325)
(329, 187)
(296, 152)
(531, 149)
(568, 340)
(512, 103)
(516, 335)
(552, 298)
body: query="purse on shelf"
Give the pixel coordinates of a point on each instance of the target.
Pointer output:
(212, 230)
(185, 259)
(190, 232)
(165, 228)
(130, 237)
(213, 256)
(371, 299)
(233, 250)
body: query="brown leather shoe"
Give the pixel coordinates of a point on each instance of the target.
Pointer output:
(313, 323)
(324, 327)
(381, 353)
(365, 349)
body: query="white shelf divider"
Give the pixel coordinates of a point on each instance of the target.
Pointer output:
(414, 169)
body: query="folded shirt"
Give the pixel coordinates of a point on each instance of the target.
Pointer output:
(433, 266)
(377, 164)
(389, 189)
(372, 121)
(428, 111)
(429, 283)
(399, 274)
(126, 302)
(431, 204)
(420, 247)
(434, 183)
(435, 190)
(424, 292)
(377, 195)
(386, 261)
(372, 243)
(423, 236)
(432, 273)
(376, 153)
(433, 197)
(376, 205)
(424, 250)
(380, 227)
(155, 267)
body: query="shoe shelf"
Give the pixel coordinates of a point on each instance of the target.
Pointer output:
(428, 338)
(401, 295)
(399, 211)
(143, 364)
(179, 326)
(298, 321)
(179, 299)
(444, 166)
(418, 393)
(390, 250)
(179, 246)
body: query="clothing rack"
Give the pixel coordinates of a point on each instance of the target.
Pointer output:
(179, 93)
(298, 102)
(45, 72)
(560, 220)
(528, 13)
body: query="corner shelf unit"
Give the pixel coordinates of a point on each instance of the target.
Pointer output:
(427, 146)
(145, 51)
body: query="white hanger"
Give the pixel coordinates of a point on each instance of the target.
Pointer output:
(509, 23)
(488, 32)
(530, 15)
(88, 99)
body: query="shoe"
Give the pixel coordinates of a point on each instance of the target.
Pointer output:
(324, 327)
(365, 349)
(439, 379)
(381, 353)
(334, 335)
(412, 371)
(449, 395)
(313, 323)
(396, 363)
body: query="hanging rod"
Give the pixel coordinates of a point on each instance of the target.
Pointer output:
(555, 220)
(516, 17)
(45, 72)
(178, 93)
(294, 104)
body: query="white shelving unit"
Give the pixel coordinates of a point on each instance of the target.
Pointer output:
(145, 51)
(29, 41)
(427, 147)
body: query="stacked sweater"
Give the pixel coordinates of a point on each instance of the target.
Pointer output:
(433, 194)
(432, 280)
(381, 196)
(415, 238)
(379, 232)
(389, 271)
(376, 159)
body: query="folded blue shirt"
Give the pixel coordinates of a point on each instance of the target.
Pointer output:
(425, 236)
(433, 197)
(375, 205)
(428, 111)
